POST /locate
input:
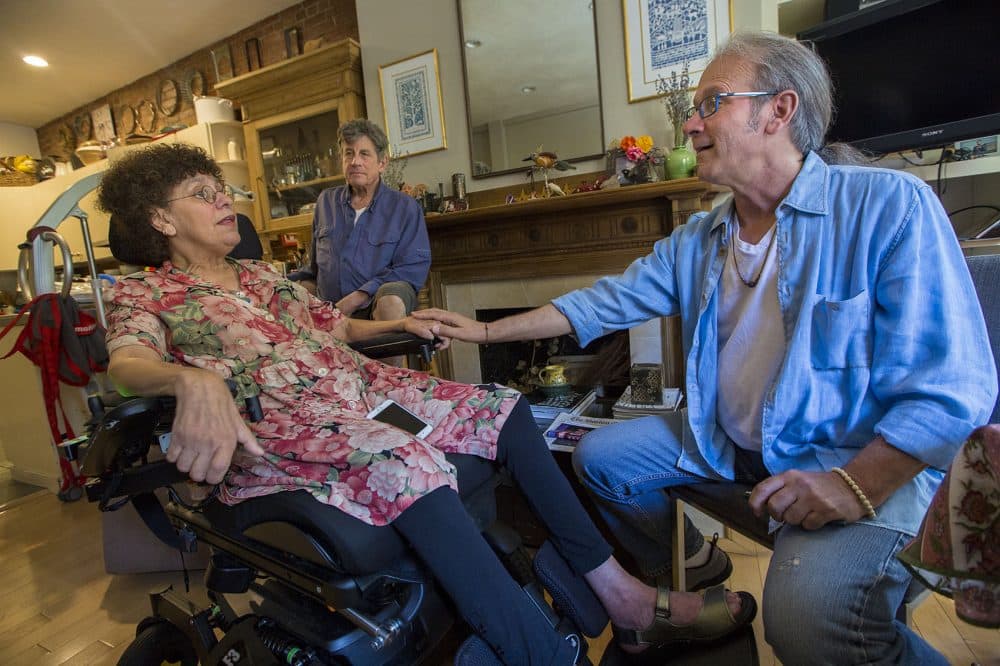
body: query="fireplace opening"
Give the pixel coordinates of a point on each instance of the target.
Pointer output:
(603, 364)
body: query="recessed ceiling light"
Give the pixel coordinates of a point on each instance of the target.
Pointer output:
(527, 90)
(473, 43)
(35, 61)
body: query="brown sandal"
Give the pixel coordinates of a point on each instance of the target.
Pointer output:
(713, 622)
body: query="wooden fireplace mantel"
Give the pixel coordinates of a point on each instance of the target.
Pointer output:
(600, 231)
(594, 233)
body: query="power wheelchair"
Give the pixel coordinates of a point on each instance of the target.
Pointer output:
(322, 587)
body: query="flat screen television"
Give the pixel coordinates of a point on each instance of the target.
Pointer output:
(913, 74)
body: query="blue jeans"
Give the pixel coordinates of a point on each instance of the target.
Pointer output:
(831, 594)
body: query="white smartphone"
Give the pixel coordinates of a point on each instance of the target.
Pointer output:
(395, 414)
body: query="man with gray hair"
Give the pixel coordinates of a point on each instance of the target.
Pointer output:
(836, 357)
(370, 252)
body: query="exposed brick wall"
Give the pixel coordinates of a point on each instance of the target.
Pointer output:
(329, 20)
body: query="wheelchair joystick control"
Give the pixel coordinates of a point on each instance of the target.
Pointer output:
(253, 408)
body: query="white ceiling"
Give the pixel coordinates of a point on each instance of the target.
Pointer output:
(97, 46)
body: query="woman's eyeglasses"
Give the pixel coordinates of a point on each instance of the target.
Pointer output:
(208, 194)
(710, 104)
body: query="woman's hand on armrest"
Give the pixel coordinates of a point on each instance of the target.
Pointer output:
(207, 427)
(359, 330)
(207, 424)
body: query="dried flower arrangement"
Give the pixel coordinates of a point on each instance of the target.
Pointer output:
(674, 95)
(393, 174)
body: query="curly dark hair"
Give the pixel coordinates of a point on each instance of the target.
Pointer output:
(140, 182)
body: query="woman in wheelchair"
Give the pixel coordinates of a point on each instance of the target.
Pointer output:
(198, 318)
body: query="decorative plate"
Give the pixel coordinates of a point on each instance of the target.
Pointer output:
(167, 97)
(126, 119)
(146, 117)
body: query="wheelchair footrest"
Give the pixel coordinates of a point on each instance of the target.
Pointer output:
(571, 594)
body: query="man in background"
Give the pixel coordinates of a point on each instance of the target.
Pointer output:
(370, 252)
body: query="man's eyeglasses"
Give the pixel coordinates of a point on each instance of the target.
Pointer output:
(208, 194)
(710, 104)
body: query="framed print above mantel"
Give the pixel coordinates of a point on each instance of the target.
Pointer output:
(411, 100)
(661, 35)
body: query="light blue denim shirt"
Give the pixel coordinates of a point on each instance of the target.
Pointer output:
(883, 331)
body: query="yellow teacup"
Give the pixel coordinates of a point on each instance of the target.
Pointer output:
(552, 375)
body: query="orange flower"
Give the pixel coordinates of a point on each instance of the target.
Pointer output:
(627, 142)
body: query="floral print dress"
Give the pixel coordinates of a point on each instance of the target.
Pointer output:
(277, 341)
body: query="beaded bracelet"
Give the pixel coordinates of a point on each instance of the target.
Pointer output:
(862, 498)
(486, 325)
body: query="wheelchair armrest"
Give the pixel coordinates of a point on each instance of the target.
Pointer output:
(125, 434)
(134, 481)
(396, 344)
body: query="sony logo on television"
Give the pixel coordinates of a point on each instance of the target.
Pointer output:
(931, 132)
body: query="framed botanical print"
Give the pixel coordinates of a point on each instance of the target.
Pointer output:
(662, 35)
(411, 99)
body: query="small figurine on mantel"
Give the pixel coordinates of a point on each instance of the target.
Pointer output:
(543, 161)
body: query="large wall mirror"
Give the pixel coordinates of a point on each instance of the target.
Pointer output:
(531, 79)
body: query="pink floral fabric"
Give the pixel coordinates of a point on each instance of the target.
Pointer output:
(960, 536)
(277, 341)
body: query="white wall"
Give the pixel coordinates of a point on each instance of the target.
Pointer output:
(18, 140)
(393, 29)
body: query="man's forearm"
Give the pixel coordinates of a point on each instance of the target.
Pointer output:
(543, 322)
(881, 469)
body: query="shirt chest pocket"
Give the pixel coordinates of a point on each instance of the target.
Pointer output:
(384, 237)
(841, 333)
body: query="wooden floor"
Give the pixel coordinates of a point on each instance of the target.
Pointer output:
(57, 606)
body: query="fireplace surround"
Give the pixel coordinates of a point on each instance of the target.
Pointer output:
(524, 254)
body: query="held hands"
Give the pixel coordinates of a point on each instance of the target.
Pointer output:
(207, 427)
(428, 329)
(453, 325)
(807, 499)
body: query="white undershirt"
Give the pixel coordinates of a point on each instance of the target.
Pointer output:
(751, 339)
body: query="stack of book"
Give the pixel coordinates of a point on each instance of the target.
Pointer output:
(546, 408)
(568, 429)
(624, 408)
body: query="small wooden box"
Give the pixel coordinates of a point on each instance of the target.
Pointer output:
(646, 380)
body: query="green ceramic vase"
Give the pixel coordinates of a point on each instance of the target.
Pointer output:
(681, 161)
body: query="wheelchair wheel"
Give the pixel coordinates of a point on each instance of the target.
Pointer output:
(159, 643)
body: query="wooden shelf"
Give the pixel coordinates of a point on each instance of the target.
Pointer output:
(670, 190)
(290, 224)
(316, 182)
(961, 169)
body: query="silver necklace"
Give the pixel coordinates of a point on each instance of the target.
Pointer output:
(239, 285)
(767, 253)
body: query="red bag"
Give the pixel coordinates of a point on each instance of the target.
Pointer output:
(66, 344)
